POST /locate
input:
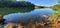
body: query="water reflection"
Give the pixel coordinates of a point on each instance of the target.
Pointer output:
(22, 17)
(1, 26)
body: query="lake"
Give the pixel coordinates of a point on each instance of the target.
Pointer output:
(22, 17)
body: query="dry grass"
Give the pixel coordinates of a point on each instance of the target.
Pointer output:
(54, 24)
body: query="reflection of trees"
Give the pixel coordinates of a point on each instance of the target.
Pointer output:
(5, 11)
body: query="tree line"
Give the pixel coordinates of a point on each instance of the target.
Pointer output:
(17, 4)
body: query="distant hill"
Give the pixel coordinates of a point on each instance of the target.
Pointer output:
(17, 4)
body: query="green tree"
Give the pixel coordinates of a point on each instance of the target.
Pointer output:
(17, 4)
(59, 1)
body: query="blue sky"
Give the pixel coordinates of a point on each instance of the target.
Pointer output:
(44, 2)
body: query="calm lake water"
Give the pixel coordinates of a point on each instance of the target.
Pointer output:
(20, 17)
(35, 14)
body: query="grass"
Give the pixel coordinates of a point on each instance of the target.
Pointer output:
(56, 7)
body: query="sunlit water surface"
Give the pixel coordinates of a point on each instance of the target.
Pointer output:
(35, 14)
